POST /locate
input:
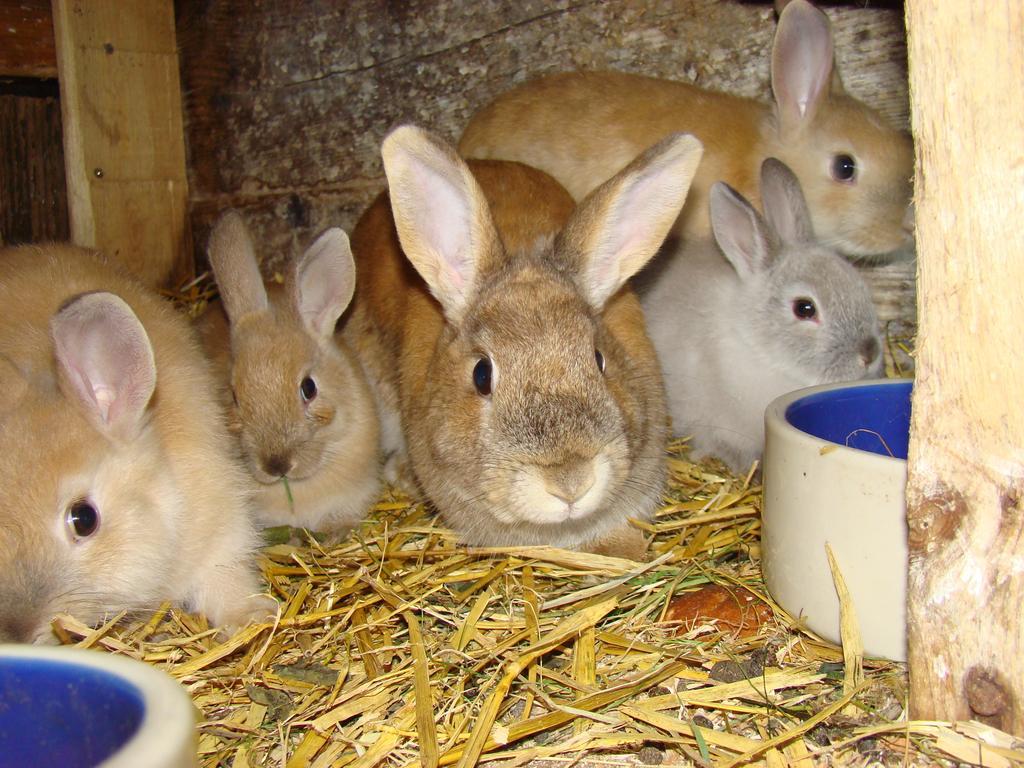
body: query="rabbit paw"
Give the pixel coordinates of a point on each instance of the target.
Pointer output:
(257, 609)
(625, 542)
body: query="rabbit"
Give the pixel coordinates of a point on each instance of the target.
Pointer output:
(296, 396)
(496, 316)
(581, 127)
(120, 487)
(762, 310)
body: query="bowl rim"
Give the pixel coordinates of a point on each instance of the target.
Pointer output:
(168, 715)
(775, 413)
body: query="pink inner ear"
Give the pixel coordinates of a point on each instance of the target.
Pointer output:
(106, 359)
(801, 62)
(436, 215)
(738, 231)
(442, 216)
(324, 282)
(95, 395)
(646, 204)
(443, 220)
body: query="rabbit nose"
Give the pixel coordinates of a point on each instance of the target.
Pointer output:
(869, 351)
(570, 483)
(277, 466)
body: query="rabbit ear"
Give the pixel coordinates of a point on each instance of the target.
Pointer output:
(441, 215)
(784, 205)
(325, 278)
(105, 362)
(739, 230)
(13, 385)
(622, 224)
(236, 268)
(801, 64)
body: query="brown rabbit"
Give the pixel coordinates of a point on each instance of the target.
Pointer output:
(496, 318)
(120, 487)
(296, 396)
(582, 127)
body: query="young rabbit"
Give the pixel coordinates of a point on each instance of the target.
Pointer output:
(774, 310)
(497, 318)
(120, 489)
(296, 396)
(582, 127)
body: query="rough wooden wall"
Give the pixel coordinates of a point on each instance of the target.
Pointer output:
(287, 100)
(33, 194)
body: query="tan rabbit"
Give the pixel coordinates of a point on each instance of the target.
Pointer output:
(497, 317)
(120, 488)
(296, 396)
(855, 171)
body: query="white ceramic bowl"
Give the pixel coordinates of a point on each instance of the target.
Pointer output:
(829, 477)
(78, 709)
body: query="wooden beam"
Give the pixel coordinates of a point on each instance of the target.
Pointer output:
(26, 39)
(123, 135)
(965, 494)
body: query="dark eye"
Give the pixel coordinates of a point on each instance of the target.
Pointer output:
(804, 309)
(82, 519)
(844, 168)
(600, 360)
(307, 389)
(482, 376)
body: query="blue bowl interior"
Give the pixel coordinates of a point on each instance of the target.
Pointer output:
(57, 713)
(869, 417)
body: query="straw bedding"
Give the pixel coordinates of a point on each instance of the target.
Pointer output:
(396, 646)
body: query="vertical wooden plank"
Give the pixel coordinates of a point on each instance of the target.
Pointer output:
(123, 133)
(33, 194)
(965, 495)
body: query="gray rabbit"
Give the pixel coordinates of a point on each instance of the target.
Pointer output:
(762, 310)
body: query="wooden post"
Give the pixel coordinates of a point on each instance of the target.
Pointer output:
(965, 494)
(123, 137)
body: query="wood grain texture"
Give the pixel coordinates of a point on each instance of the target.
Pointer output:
(26, 39)
(33, 195)
(123, 133)
(287, 102)
(965, 492)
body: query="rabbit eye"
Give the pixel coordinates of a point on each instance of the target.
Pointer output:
(482, 376)
(600, 360)
(844, 168)
(82, 519)
(804, 309)
(307, 389)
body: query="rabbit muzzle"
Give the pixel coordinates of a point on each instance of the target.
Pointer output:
(572, 489)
